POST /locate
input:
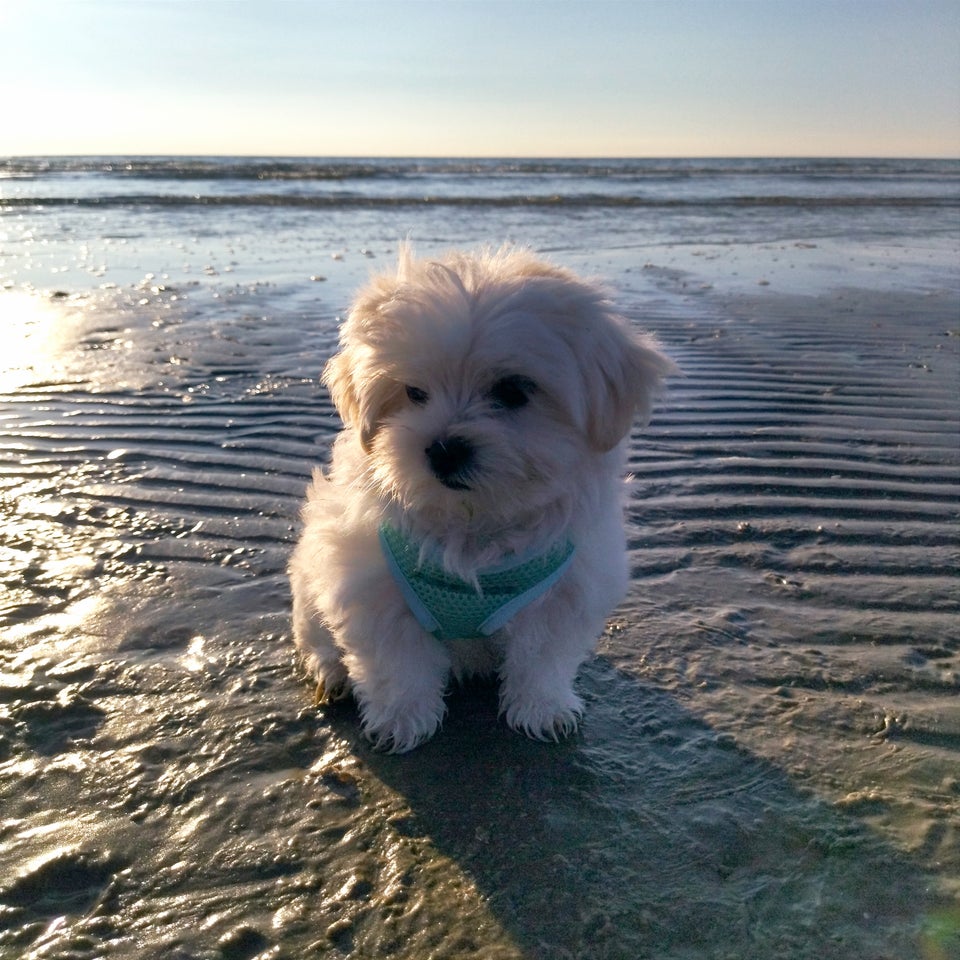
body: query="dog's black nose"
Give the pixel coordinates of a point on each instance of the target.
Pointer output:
(451, 459)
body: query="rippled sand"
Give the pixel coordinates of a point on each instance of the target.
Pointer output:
(769, 761)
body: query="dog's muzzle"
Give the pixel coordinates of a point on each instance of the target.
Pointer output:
(451, 460)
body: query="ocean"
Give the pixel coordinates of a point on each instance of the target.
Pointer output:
(574, 208)
(768, 765)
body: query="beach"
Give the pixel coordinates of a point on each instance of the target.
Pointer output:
(768, 763)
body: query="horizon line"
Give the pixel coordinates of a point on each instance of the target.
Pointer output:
(504, 156)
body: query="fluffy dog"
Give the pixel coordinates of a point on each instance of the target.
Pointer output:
(471, 520)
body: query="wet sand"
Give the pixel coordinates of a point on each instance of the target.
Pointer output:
(769, 760)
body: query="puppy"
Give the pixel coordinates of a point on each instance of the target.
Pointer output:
(471, 519)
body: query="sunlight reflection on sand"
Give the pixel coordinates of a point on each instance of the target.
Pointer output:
(41, 563)
(34, 339)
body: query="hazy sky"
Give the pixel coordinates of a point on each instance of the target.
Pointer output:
(484, 78)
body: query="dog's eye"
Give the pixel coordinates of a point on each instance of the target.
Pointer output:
(511, 393)
(417, 396)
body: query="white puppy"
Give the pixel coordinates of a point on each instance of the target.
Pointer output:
(471, 519)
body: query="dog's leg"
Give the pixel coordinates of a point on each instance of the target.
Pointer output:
(399, 673)
(321, 658)
(536, 680)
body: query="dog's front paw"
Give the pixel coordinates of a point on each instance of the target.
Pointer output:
(542, 715)
(402, 725)
(333, 686)
(333, 682)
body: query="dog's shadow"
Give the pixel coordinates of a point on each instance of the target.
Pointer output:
(648, 833)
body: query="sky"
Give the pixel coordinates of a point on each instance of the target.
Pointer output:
(570, 78)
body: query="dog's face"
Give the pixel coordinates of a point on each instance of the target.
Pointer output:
(479, 384)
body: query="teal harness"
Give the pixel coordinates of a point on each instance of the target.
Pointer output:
(453, 609)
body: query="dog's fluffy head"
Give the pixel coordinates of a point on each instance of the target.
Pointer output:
(480, 383)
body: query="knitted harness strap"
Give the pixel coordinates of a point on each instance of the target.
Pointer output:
(453, 609)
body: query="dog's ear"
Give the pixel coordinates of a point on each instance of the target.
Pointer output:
(362, 389)
(337, 377)
(623, 371)
(362, 396)
(618, 369)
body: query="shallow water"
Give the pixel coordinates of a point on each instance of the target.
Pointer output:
(768, 764)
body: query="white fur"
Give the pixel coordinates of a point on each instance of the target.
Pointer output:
(543, 471)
